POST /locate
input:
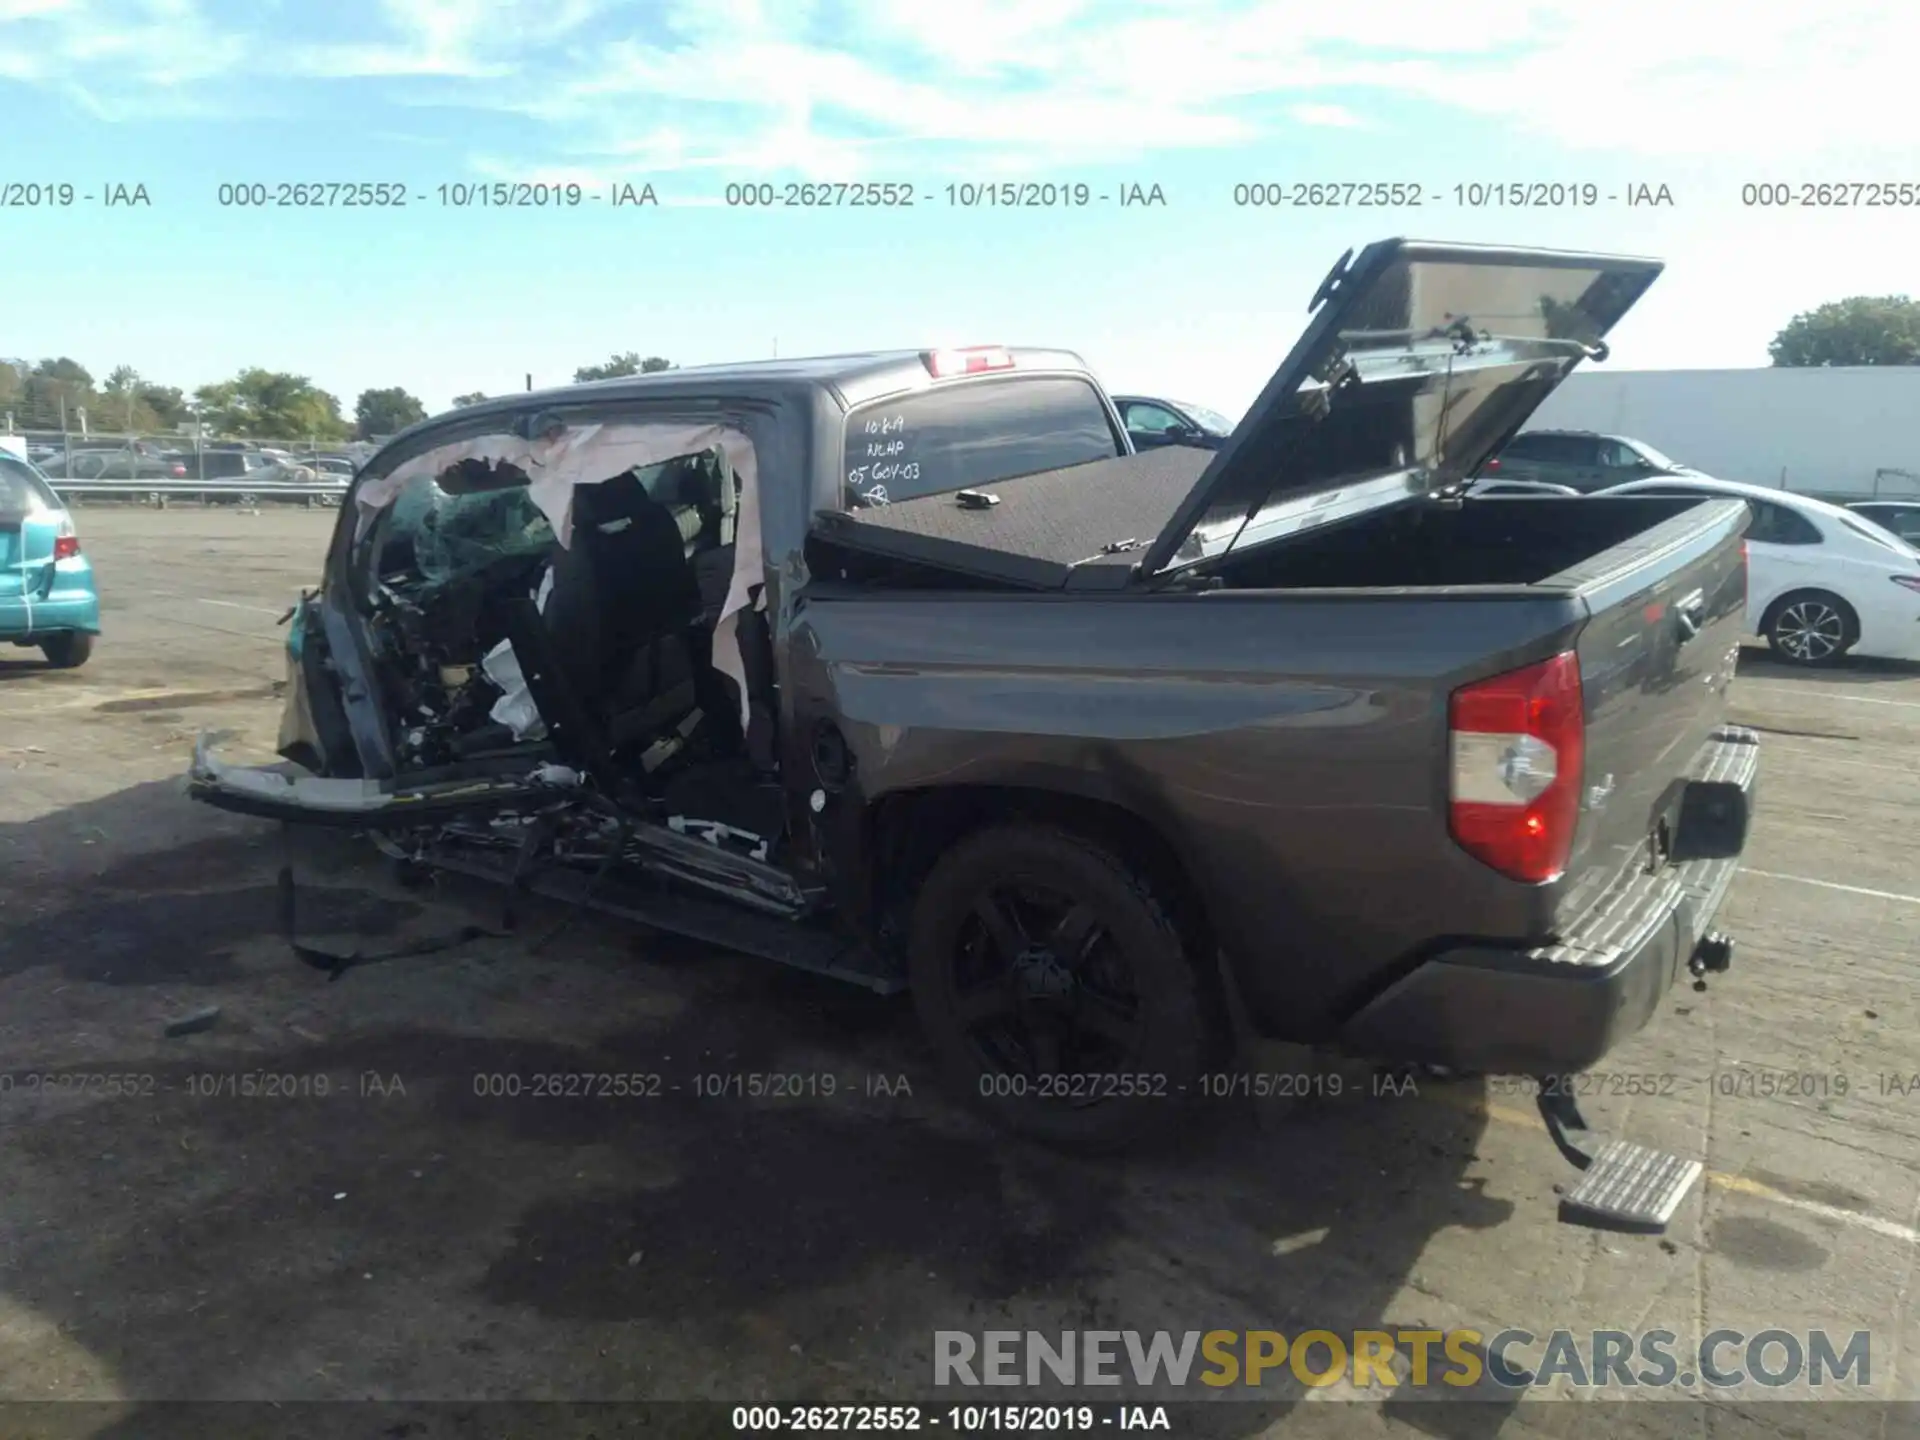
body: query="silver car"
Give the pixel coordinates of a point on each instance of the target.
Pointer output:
(1580, 459)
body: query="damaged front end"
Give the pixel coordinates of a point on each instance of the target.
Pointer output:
(534, 661)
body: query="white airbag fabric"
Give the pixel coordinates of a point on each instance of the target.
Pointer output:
(515, 708)
(588, 455)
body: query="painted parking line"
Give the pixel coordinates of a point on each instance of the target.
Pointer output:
(236, 605)
(1828, 695)
(252, 635)
(1832, 885)
(1778, 747)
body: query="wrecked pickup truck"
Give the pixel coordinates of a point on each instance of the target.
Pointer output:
(904, 668)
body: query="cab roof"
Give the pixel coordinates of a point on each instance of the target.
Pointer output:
(853, 378)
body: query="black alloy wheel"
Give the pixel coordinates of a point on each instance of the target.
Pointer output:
(1057, 993)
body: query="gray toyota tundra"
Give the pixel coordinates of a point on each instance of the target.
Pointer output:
(903, 668)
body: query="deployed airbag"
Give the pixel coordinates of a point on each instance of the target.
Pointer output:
(561, 459)
(515, 708)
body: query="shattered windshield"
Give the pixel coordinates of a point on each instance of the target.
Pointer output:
(442, 535)
(474, 515)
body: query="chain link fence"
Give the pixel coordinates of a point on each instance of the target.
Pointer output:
(70, 455)
(155, 467)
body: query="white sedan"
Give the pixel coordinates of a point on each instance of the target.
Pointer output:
(1822, 582)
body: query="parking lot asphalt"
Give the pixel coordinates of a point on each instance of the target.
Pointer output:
(319, 1198)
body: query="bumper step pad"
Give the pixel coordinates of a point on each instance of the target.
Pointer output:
(1631, 1188)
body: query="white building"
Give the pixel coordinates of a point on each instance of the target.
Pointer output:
(1817, 431)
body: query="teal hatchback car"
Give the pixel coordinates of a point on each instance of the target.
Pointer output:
(47, 597)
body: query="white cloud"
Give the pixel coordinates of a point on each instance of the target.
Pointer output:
(837, 88)
(141, 45)
(1334, 117)
(459, 39)
(1030, 84)
(23, 9)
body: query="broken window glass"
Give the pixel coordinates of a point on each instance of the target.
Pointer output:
(445, 529)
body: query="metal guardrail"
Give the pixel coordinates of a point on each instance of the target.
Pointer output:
(159, 492)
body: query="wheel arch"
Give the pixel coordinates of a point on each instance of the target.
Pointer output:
(907, 831)
(1787, 593)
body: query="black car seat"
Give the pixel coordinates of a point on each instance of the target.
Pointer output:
(624, 598)
(718, 500)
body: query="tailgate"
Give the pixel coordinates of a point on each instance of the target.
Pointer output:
(26, 555)
(1656, 661)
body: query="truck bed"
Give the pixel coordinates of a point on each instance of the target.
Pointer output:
(1289, 726)
(1045, 527)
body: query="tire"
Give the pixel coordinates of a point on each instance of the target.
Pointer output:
(1810, 628)
(68, 650)
(1095, 1036)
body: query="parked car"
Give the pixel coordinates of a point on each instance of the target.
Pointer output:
(47, 595)
(284, 472)
(121, 465)
(329, 467)
(1481, 489)
(1902, 517)
(1153, 423)
(1088, 750)
(222, 464)
(113, 447)
(1822, 581)
(1579, 459)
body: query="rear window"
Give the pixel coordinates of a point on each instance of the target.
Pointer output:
(22, 491)
(1558, 449)
(964, 436)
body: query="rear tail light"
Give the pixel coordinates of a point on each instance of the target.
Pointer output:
(1491, 466)
(1912, 582)
(179, 472)
(968, 361)
(1517, 745)
(66, 544)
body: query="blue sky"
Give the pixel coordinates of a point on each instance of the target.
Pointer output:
(1198, 297)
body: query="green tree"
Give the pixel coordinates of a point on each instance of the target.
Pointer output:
(472, 397)
(121, 404)
(167, 403)
(385, 412)
(55, 388)
(270, 405)
(628, 364)
(1860, 330)
(66, 371)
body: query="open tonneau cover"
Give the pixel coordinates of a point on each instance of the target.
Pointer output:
(1081, 527)
(1421, 361)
